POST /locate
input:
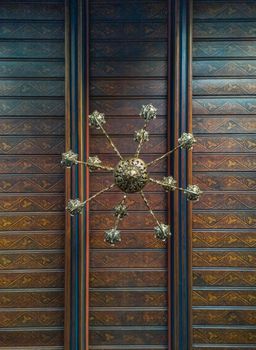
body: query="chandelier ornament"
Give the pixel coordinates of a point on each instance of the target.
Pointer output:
(130, 175)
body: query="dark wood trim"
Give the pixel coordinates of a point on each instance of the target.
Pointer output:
(180, 120)
(77, 106)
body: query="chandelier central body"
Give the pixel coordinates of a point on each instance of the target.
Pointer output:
(131, 175)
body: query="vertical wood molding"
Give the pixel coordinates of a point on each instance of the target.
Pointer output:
(77, 104)
(180, 120)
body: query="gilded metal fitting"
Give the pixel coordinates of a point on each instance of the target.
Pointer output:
(192, 192)
(68, 159)
(148, 112)
(93, 163)
(112, 236)
(162, 232)
(96, 119)
(74, 207)
(120, 210)
(187, 140)
(141, 135)
(131, 175)
(168, 183)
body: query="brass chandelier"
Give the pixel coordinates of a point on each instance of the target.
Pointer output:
(131, 175)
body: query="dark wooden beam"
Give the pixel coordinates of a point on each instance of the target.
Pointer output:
(180, 120)
(77, 102)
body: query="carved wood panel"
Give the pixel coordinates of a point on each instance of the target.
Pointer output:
(128, 283)
(31, 180)
(224, 221)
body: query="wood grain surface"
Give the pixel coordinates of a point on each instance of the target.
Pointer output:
(224, 220)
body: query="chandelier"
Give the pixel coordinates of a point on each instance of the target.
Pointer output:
(130, 175)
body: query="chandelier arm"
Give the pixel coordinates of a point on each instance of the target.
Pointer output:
(119, 216)
(98, 193)
(98, 166)
(155, 161)
(110, 140)
(149, 208)
(141, 141)
(158, 182)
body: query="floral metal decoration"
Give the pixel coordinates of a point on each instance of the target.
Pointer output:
(131, 175)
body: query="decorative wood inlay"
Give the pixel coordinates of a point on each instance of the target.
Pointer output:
(224, 298)
(227, 220)
(232, 49)
(224, 162)
(33, 126)
(142, 12)
(50, 11)
(31, 145)
(128, 88)
(128, 298)
(127, 50)
(31, 183)
(12, 319)
(117, 31)
(224, 278)
(217, 181)
(224, 239)
(31, 88)
(26, 240)
(224, 106)
(141, 259)
(32, 49)
(228, 143)
(220, 317)
(224, 29)
(128, 69)
(22, 107)
(228, 259)
(24, 260)
(224, 87)
(11, 280)
(20, 69)
(224, 124)
(140, 337)
(228, 201)
(224, 336)
(224, 10)
(30, 222)
(33, 299)
(31, 164)
(146, 278)
(30, 338)
(128, 318)
(30, 30)
(225, 68)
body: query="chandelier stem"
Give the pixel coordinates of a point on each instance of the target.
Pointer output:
(141, 141)
(119, 216)
(98, 193)
(149, 208)
(98, 166)
(110, 141)
(155, 161)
